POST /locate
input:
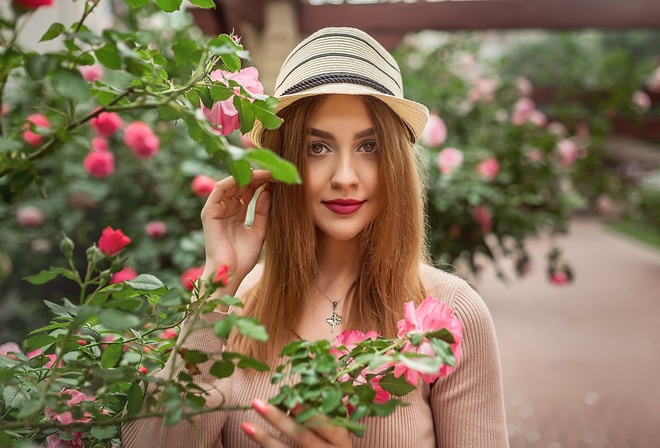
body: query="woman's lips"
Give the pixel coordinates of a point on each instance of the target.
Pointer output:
(344, 206)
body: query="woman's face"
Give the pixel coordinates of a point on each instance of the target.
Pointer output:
(342, 168)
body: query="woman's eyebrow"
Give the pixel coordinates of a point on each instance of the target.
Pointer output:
(322, 134)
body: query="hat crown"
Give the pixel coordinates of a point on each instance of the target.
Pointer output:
(339, 55)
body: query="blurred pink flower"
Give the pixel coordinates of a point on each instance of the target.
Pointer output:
(538, 118)
(223, 115)
(100, 143)
(568, 151)
(66, 418)
(483, 90)
(106, 123)
(38, 120)
(522, 110)
(38, 352)
(222, 275)
(483, 215)
(112, 241)
(190, 276)
(559, 278)
(30, 216)
(203, 185)
(169, 333)
(141, 139)
(430, 315)
(535, 155)
(557, 128)
(350, 339)
(99, 163)
(123, 275)
(524, 86)
(33, 4)
(641, 101)
(91, 72)
(449, 159)
(155, 229)
(9, 349)
(246, 142)
(5, 110)
(435, 132)
(653, 84)
(488, 168)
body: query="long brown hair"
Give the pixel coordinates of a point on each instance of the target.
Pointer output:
(391, 247)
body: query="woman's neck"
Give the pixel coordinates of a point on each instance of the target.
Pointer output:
(338, 265)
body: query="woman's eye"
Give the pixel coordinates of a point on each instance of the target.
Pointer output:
(368, 147)
(316, 149)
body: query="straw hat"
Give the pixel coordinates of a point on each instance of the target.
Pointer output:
(344, 61)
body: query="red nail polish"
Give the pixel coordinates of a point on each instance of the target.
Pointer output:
(248, 428)
(260, 406)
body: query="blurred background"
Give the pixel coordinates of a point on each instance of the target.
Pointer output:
(542, 156)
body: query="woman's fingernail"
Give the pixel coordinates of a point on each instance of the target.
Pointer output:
(248, 428)
(260, 406)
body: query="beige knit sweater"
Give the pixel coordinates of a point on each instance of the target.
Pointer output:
(463, 410)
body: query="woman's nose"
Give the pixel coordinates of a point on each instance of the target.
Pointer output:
(345, 172)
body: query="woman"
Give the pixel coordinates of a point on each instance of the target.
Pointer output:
(343, 250)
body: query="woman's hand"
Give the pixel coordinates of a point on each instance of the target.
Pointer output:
(320, 436)
(227, 240)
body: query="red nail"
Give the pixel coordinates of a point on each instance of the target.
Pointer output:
(248, 428)
(260, 406)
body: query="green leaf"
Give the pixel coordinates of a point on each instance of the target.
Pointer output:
(205, 96)
(111, 355)
(221, 92)
(245, 113)
(203, 3)
(231, 61)
(145, 282)
(14, 397)
(331, 400)
(249, 327)
(173, 415)
(195, 356)
(70, 84)
(266, 115)
(280, 169)
(251, 363)
(223, 327)
(22, 178)
(37, 66)
(134, 398)
(186, 51)
(7, 374)
(103, 432)
(105, 97)
(168, 113)
(422, 364)
(108, 55)
(396, 386)
(135, 4)
(118, 320)
(39, 341)
(169, 5)
(55, 30)
(42, 277)
(222, 369)
(7, 145)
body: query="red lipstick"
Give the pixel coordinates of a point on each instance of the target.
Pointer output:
(343, 206)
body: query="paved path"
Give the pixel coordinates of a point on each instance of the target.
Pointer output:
(581, 363)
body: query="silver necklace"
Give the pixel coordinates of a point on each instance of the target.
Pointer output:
(334, 319)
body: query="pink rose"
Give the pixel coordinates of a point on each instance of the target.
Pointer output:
(431, 315)
(524, 86)
(141, 139)
(33, 4)
(483, 90)
(559, 278)
(641, 101)
(169, 333)
(9, 350)
(522, 110)
(100, 144)
(435, 132)
(38, 120)
(99, 163)
(112, 241)
(488, 168)
(557, 129)
(123, 275)
(449, 159)
(190, 276)
(538, 118)
(66, 417)
(106, 123)
(155, 229)
(203, 185)
(38, 352)
(483, 215)
(223, 115)
(91, 72)
(568, 151)
(222, 275)
(30, 216)
(350, 339)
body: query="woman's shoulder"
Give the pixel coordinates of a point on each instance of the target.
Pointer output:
(457, 293)
(250, 280)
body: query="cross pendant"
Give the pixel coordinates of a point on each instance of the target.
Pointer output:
(334, 318)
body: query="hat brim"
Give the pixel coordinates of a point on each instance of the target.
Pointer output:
(414, 114)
